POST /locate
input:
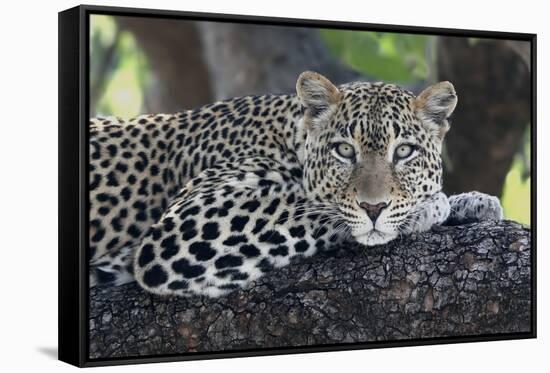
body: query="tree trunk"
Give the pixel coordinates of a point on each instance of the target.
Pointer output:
(246, 59)
(174, 52)
(453, 281)
(493, 113)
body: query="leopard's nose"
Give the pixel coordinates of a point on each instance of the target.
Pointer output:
(374, 210)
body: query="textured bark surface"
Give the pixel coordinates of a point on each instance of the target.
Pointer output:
(452, 281)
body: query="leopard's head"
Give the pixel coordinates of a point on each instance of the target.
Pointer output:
(373, 151)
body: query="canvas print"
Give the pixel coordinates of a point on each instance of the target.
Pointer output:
(257, 187)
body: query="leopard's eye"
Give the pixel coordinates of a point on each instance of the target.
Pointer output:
(403, 151)
(345, 150)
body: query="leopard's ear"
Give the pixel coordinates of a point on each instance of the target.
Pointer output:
(317, 94)
(434, 106)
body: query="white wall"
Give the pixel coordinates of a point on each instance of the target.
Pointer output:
(28, 185)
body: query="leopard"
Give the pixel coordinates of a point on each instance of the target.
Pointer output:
(206, 201)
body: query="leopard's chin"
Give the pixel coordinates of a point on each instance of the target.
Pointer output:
(374, 238)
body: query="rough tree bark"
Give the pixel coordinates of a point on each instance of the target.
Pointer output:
(493, 84)
(452, 281)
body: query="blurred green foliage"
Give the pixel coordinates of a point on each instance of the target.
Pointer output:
(401, 58)
(119, 80)
(516, 196)
(127, 74)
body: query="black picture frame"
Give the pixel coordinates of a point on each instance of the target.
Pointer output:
(73, 180)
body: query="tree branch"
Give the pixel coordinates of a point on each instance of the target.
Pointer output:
(452, 281)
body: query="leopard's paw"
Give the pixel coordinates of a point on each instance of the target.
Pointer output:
(473, 207)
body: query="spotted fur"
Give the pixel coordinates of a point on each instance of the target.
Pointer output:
(205, 201)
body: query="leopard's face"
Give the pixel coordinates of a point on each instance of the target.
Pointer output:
(373, 152)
